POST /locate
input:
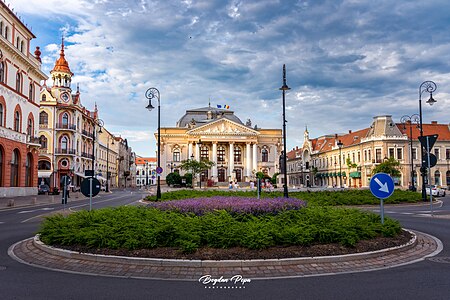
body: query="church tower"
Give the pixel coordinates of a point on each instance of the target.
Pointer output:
(62, 78)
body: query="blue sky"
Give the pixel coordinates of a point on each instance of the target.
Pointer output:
(347, 61)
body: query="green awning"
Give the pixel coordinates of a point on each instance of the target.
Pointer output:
(355, 174)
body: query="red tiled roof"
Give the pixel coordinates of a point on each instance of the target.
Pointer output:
(294, 153)
(442, 130)
(143, 160)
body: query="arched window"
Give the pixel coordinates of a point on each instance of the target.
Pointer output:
(64, 144)
(44, 97)
(204, 153)
(437, 178)
(176, 155)
(2, 158)
(265, 155)
(15, 163)
(18, 82)
(1, 114)
(137, 172)
(221, 154)
(43, 118)
(21, 46)
(44, 165)
(1, 27)
(28, 170)
(17, 42)
(221, 174)
(31, 92)
(237, 154)
(2, 72)
(43, 142)
(17, 121)
(6, 32)
(138, 182)
(65, 120)
(30, 127)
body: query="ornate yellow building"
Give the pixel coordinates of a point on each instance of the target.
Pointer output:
(238, 150)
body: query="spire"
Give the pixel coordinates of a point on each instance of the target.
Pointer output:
(61, 64)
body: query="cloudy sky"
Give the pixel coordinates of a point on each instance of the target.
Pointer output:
(347, 61)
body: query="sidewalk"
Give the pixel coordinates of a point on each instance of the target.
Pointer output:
(23, 201)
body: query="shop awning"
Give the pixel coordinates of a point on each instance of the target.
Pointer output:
(44, 174)
(355, 174)
(80, 175)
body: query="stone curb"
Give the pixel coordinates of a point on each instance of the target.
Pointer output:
(158, 262)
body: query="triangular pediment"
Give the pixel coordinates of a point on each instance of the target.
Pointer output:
(223, 127)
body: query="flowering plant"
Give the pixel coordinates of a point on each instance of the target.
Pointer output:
(233, 205)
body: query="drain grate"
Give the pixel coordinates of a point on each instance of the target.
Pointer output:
(443, 260)
(2, 268)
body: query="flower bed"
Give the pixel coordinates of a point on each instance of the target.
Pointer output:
(233, 205)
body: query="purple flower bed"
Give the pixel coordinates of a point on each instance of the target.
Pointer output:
(233, 205)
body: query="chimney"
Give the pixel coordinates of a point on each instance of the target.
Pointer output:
(350, 131)
(336, 135)
(434, 122)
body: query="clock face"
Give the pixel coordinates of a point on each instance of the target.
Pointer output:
(65, 97)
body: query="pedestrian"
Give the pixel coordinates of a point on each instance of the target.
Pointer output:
(252, 185)
(231, 185)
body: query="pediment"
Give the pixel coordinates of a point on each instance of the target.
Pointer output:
(223, 127)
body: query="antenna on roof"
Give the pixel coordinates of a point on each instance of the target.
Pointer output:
(209, 102)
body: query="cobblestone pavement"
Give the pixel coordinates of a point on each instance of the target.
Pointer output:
(35, 253)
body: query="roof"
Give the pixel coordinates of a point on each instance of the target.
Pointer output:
(143, 160)
(201, 116)
(294, 153)
(61, 64)
(442, 130)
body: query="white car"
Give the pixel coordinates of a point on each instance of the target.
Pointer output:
(435, 191)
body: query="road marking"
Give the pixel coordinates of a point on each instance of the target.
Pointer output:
(34, 210)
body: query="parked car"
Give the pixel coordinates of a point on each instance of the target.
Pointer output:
(43, 189)
(435, 191)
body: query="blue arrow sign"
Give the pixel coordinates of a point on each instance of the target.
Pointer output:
(382, 185)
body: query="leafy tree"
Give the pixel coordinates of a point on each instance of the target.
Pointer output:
(195, 167)
(188, 178)
(274, 178)
(173, 178)
(389, 166)
(260, 175)
(350, 164)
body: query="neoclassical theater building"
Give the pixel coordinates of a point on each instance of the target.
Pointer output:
(237, 149)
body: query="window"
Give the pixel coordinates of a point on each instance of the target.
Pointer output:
(2, 72)
(414, 153)
(399, 153)
(176, 155)
(137, 172)
(1, 114)
(369, 155)
(391, 152)
(19, 82)
(17, 121)
(2, 157)
(265, 155)
(365, 155)
(436, 153)
(1, 27)
(44, 165)
(64, 144)
(21, 46)
(43, 118)
(44, 97)
(43, 142)
(30, 127)
(237, 154)
(6, 32)
(17, 42)
(31, 92)
(378, 155)
(221, 154)
(447, 153)
(65, 120)
(359, 156)
(15, 162)
(204, 153)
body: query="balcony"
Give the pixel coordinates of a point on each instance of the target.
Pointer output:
(88, 134)
(64, 151)
(66, 126)
(43, 126)
(87, 155)
(43, 151)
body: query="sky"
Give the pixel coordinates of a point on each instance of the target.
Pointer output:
(347, 61)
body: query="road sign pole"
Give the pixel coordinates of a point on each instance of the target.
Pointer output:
(429, 175)
(382, 211)
(90, 194)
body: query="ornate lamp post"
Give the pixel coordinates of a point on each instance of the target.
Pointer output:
(107, 164)
(409, 120)
(284, 88)
(146, 174)
(171, 165)
(430, 87)
(99, 123)
(150, 94)
(340, 145)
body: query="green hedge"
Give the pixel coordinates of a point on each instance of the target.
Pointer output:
(138, 228)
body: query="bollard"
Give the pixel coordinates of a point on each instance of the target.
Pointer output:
(11, 203)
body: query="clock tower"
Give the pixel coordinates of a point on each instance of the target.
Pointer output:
(62, 77)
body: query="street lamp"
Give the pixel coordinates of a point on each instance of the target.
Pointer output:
(409, 120)
(150, 94)
(340, 145)
(107, 164)
(146, 173)
(171, 165)
(100, 124)
(430, 87)
(284, 88)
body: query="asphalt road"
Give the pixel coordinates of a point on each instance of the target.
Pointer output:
(422, 280)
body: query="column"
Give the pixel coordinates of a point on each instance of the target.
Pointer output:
(189, 151)
(197, 152)
(248, 161)
(214, 159)
(231, 161)
(255, 157)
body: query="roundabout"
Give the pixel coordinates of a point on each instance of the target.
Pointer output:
(35, 253)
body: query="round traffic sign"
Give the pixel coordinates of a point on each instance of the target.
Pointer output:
(159, 170)
(381, 185)
(86, 186)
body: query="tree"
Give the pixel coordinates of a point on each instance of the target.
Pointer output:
(195, 167)
(274, 178)
(173, 178)
(389, 166)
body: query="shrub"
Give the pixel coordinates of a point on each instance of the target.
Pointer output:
(173, 178)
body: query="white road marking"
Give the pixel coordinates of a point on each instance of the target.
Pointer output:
(34, 210)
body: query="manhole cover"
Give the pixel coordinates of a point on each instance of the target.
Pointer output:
(444, 260)
(2, 268)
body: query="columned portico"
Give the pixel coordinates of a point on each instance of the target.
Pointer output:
(248, 161)
(214, 159)
(255, 157)
(231, 161)
(189, 151)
